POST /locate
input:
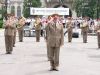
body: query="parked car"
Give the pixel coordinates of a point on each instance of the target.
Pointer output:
(28, 32)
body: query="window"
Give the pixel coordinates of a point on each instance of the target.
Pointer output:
(12, 9)
(18, 11)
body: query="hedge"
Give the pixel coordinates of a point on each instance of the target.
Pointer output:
(1, 23)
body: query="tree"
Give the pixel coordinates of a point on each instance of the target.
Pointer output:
(78, 7)
(3, 12)
(28, 4)
(86, 8)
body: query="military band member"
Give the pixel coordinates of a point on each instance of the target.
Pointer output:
(55, 39)
(48, 49)
(84, 27)
(15, 24)
(98, 33)
(9, 34)
(37, 24)
(20, 26)
(70, 29)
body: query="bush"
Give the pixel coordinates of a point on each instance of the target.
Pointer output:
(1, 23)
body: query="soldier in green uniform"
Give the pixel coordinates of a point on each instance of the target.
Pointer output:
(9, 34)
(55, 39)
(69, 29)
(48, 48)
(15, 24)
(84, 27)
(20, 26)
(98, 33)
(37, 24)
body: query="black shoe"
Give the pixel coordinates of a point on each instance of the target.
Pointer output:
(8, 53)
(20, 41)
(13, 45)
(51, 69)
(69, 41)
(56, 69)
(37, 41)
(84, 42)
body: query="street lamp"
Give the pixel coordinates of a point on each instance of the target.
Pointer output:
(61, 2)
(7, 2)
(29, 4)
(85, 6)
(49, 3)
(8, 6)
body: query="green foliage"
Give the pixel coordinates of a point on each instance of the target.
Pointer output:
(1, 23)
(78, 7)
(3, 11)
(26, 10)
(89, 9)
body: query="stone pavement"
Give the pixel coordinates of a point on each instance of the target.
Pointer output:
(29, 58)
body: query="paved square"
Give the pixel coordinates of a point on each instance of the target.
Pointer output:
(29, 58)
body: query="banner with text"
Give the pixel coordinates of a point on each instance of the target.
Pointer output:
(49, 11)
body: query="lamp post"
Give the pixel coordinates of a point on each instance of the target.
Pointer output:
(8, 6)
(61, 2)
(6, 9)
(49, 3)
(85, 6)
(29, 4)
(7, 2)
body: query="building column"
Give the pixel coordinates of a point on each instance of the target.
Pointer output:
(21, 9)
(8, 9)
(15, 10)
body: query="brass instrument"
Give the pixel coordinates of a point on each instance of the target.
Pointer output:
(84, 25)
(69, 25)
(19, 26)
(20, 23)
(37, 22)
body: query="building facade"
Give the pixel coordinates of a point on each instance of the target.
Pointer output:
(60, 3)
(15, 7)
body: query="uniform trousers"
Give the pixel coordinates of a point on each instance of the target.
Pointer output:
(20, 32)
(38, 32)
(48, 52)
(9, 43)
(84, 37)
(98, 38)
(69, 36)
(14, 39)
(54, 56)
